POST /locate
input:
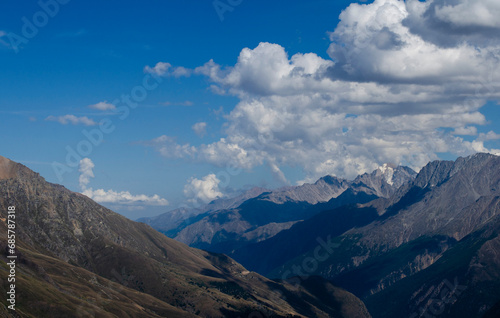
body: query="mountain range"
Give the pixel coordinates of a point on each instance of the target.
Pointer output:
(407, 244)
(266, 213)
(390, 243)
(75, 258)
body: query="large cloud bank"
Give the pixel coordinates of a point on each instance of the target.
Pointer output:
(405, 81)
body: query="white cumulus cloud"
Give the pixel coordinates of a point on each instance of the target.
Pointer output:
(86, 172)
(392, 91)
(203, 190)
(470, 13)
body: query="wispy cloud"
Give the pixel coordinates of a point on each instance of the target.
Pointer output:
(160, 69)
(168, 147)
(72, 119)
(166, 69)
(184, 103)
(200, 128)
(3, 41)
(103, 106)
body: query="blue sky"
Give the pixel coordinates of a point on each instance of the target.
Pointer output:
(382, 83)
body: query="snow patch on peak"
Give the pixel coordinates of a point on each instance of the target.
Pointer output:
(388, 172)
(384, 168)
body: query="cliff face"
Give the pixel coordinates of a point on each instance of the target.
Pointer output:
(97, 261)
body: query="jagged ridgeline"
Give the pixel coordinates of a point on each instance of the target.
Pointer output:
(227, 226)
(79, 259)
(407, 244)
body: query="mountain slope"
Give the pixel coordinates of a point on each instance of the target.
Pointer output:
(59, 231)
(301, 238)
(464, 282)
(49, 287)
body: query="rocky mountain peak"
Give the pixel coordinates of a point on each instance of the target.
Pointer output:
(324, 189)
(7, 168)
(13, 170)
(436, 172)
(384, 180)
(233, 202)
(329, 179)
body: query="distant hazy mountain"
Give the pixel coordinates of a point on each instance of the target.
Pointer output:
(431, 247)
(180, 217)
(79, 259)
(262, 217)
